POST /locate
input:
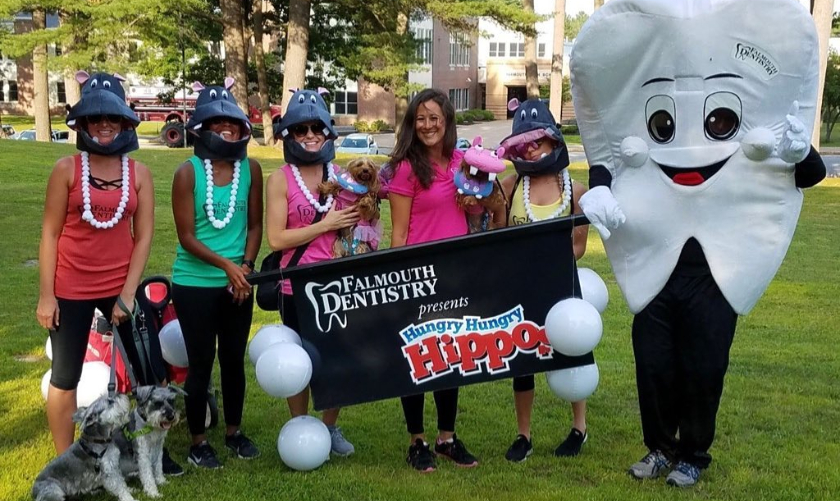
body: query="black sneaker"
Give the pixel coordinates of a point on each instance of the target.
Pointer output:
(457, 452)
(241, 446)
(571, 446)
(170, 467)
(420, 457)
(204, 456)
(519, 450)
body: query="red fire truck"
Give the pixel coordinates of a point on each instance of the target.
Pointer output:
(177, 112)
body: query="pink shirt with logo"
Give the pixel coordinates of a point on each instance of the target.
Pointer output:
(300, 214)
(434, 212)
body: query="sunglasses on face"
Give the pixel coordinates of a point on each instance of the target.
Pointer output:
(222, 120)
(95, 119)
(302, 130)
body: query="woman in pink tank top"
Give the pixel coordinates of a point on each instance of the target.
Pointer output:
(96, 237)
(296, 216)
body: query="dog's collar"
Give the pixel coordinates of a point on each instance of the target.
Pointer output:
(83, 443)
(346, 181)
(131, 435)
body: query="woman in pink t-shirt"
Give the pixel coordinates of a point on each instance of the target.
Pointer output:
(423, 209)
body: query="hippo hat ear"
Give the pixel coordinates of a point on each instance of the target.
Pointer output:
(119, 77)
(82, 76)
(476, 141)
(293, 90)
(323, 92)
(513, 104)
(229, 82)
(500, 152)
(197, 86)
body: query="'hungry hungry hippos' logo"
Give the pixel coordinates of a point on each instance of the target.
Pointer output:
(471, 344)
(331, 301)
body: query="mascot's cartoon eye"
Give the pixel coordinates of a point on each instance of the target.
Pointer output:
(534, 114)
(522, 114)
(312, 98)
(94, 83)
(478, 147)
(106, 84)
(661, 120)
(224, 94)
(301, 99)
(723, 116)
(493, 154)
(213, 94)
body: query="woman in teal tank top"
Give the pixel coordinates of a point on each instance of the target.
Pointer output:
(217, 204)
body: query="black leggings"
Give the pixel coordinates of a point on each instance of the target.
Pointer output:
(523, 383)
(208, 313)
(69, 341)
(447, 408)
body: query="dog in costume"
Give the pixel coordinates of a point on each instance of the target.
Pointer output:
(357, 185)
(697, 128)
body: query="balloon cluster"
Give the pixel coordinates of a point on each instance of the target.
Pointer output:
(573, 327)
(284, 369)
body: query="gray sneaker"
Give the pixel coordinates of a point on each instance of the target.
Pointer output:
(683, 475)
(652, 465)
(340, 445)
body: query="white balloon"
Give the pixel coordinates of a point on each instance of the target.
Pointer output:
(593, 289)
(45, 384)
(48, 348)
(284, 370)
(573, 327)
(574, 384)
(304, 443)
(172, 345)
(269, 335)
(93, 383)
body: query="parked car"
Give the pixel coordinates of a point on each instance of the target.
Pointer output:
(7, 132)
(462, 144)
(58, 136)
(361, 144)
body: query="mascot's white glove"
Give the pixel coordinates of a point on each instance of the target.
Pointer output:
(795, 143)
(602, 210)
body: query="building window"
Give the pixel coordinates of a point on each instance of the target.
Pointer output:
(517, 50)
(346, 103)
(460, 98)
(541, 50)
(60, 92)
(459, 50)
(501, 50)
(424, 47)
(493, 49)
(13, 92)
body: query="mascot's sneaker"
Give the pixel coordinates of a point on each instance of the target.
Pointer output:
(455, 450)
(519, 450)
(170, 467)
(420, 457)
(240, 445)
(339, 445)
(571, 446)
(683, 475)
(652, 465)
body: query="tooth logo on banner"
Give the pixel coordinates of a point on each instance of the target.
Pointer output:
(332, 301)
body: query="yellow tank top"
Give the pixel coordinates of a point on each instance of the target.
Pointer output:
(519, 216)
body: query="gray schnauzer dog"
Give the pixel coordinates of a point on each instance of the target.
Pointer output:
(93, 461)
(141, 446)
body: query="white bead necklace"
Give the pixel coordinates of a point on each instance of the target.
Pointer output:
(87, 214)
(567, 196)
(306, 193)
(234, 189)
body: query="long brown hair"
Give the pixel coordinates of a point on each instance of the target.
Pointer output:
(409, 147)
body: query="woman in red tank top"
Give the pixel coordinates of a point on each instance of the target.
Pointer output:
(96, 236)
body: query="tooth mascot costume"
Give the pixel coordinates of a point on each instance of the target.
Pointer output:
(696, 117)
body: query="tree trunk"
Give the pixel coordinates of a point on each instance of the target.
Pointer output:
(401, 98)
(822, 11)
(262, 77)
(556, 90)
(236, 64)
(297, 47)
(72, 89)
(41, 102)
(532, 82)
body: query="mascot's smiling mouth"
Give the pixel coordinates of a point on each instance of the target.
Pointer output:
(692, 176)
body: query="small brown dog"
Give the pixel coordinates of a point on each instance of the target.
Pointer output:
(357, 185)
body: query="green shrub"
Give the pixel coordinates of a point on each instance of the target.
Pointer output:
(361, 126)
(487, 114)
(379, 125)
(474, 115)
(570, 129)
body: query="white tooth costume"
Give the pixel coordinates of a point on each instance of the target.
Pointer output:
(696, 118)
(762, 56)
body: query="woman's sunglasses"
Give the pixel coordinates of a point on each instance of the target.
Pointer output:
(223, 120)
(95, 119)
(302, 129)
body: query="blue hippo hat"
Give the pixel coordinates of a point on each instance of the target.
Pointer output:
(103, 94)
(533, 121)
(217, 101)
(306, 106)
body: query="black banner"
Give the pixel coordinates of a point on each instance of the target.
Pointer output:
(432, 316)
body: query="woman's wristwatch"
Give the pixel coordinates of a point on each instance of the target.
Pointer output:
(249, 264)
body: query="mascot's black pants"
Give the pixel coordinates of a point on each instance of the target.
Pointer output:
(681, 342)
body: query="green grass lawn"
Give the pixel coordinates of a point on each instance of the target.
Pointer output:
(777, 426)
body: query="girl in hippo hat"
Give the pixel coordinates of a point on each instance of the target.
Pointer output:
(541, 189)
(217, 203)
(301, 224)
(95, 240)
